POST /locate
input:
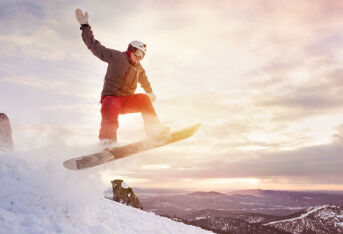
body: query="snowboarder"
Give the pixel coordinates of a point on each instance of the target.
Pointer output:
(118, 95)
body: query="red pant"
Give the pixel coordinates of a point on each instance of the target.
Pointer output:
(112, 106)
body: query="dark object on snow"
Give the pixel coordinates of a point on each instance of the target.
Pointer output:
(124, 194)
(6, 141)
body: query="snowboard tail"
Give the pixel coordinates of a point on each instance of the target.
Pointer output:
(127, 150)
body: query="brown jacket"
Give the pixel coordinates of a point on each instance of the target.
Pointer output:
(122, 76)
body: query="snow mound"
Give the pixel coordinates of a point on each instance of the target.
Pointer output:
(38, 195)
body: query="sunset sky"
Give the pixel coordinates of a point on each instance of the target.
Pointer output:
(263, 77)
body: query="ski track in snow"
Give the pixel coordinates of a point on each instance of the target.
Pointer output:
(38, 195)
(300, 217)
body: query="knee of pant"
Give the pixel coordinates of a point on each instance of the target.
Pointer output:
(144, 99)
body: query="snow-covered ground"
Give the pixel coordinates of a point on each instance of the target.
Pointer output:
(38, 195)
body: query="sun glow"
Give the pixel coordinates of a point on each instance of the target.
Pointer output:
(155, 167)
(224, 184)
(233, 181)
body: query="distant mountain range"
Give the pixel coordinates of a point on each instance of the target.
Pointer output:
(250, 211)
(272, 202)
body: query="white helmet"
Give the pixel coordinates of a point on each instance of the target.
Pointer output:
(138, 45)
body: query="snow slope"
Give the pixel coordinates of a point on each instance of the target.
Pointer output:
(37, 195)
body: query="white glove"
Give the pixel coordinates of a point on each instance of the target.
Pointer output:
(81, 18)
(152, 96)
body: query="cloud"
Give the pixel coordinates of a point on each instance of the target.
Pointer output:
(40, 83)
(17, 13)
(321, 164)
(74, 107)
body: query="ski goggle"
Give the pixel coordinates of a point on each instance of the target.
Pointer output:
(139, 54)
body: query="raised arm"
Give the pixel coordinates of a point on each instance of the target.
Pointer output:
(94, 45)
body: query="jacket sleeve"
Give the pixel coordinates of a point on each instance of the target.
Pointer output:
(95, 46)
(145, 84)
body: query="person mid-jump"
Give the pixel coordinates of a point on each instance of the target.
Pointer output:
(118, 96)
